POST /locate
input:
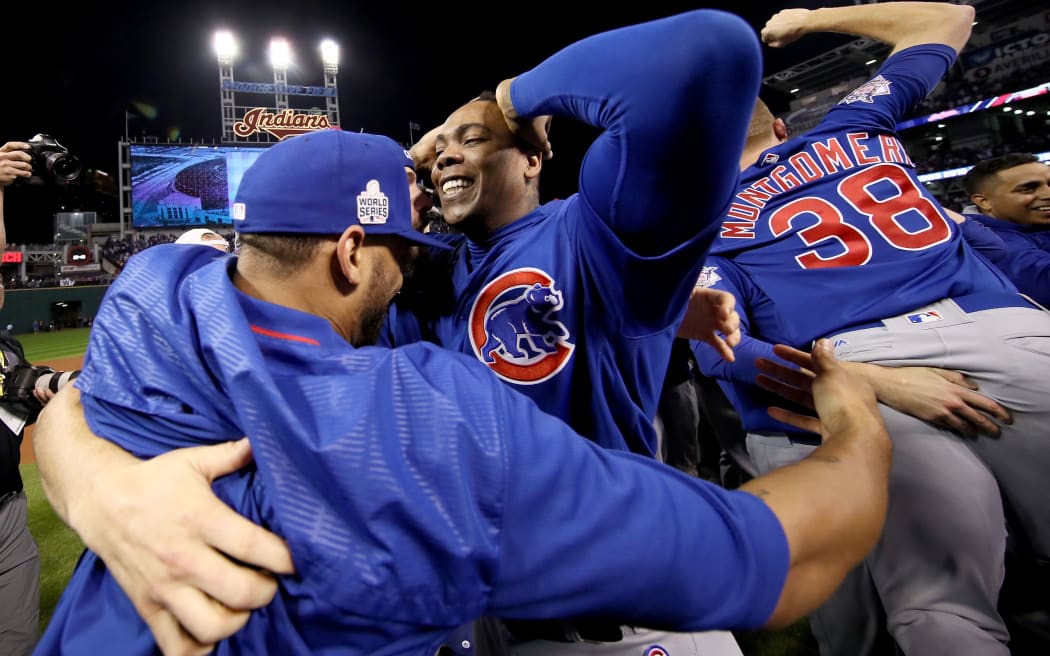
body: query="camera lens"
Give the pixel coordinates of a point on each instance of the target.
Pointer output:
(64, 167)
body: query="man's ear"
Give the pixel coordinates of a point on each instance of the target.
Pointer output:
(981, 201)
(349, 254)
(780, 130)
(533, 165)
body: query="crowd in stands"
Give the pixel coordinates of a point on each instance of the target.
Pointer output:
(960, 91)
(118, 249)
(949, 158)
(37, 282)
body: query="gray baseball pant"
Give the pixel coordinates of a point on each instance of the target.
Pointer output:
(938, 566)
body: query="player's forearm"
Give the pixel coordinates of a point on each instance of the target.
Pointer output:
(70, 457)
(900, 24)
(742, 369)
(832, 506)
(881, 379)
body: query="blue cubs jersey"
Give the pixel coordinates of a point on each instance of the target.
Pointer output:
(1022, 252)
(414, 491)
(834, 225)
(758, 313)
(576, 304)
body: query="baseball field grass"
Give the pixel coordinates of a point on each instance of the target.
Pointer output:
(60, 548)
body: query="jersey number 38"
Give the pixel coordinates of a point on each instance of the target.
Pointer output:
(882, 212)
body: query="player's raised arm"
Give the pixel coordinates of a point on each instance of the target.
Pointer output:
(900, 24)
(672, 96)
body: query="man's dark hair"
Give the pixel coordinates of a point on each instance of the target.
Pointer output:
(982, 171)
(286, 252)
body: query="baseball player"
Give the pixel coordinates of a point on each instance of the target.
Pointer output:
(1010, 228)
(830, 234)
(576, 302)
(408, 509)
(555, 298)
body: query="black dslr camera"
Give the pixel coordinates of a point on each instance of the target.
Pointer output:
(51, 162)
(20, 380)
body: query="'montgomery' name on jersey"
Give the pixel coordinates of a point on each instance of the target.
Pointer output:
(819, 159)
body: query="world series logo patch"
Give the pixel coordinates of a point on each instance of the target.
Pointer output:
(876, 86)
(708, 277)
(514, 329)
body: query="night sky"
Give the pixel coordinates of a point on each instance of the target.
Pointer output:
(74, 73)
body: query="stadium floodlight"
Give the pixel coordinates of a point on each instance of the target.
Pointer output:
(280, 53)
(329, 53)
(225, 46)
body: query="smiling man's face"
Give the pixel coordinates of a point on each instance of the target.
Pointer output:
(1020, 194)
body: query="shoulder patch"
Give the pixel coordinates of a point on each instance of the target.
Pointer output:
(708, 277)
(877, 86)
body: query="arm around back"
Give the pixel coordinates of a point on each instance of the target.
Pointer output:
(180, 563)
(831, 504)
(783, 553)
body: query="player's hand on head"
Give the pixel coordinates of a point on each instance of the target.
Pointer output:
(193, 568)
(15, 162)
(424, 152)
(711, 317)
(534, 131)
(786, 26)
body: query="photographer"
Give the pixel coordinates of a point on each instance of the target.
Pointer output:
(19, 559)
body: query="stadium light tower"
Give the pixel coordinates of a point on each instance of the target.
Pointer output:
(226, 50)
(330, 59)
(280, 59)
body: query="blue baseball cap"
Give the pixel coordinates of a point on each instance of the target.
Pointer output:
(322, 182)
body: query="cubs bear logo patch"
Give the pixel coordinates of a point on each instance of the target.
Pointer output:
(656, 650)
(514, 328)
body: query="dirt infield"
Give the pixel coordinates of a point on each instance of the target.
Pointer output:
(58, 364)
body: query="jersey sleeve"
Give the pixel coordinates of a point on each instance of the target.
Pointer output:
(902, 82)
(588, 531)
(1027, 266)
(738, 378)
(672, 98)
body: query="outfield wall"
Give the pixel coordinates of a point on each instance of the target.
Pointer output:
(22, 306)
